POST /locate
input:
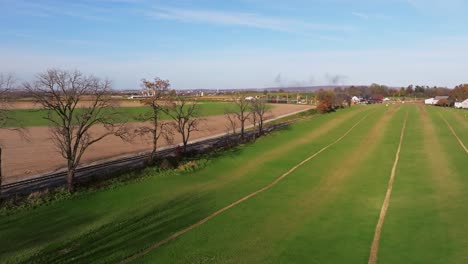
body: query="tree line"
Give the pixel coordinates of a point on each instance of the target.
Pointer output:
(409, 91)
(76, 103)
(329, 100)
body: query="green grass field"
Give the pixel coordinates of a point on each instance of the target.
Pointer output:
(325, 211)
(31, 117)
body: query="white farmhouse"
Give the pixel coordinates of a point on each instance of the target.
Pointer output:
(433, 101)
(429, 101)
(463, 104)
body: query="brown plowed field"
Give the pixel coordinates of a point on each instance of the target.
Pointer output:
(23, 159)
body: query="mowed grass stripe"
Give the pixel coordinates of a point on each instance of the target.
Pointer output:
(457, 124)
(454, 133)
(265, 229)
(458, 118)
(317, 128)
(245, 198)
(378, 229)
(448, 173)
(132, 217)
(425, 221)
(460, 114)
(409, 235)
(310, 199)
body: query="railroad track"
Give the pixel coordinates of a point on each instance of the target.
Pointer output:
(106, 168)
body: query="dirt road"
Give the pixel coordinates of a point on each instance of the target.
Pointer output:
(23, 159)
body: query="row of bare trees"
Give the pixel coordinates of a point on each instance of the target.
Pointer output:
(76, 103)
(162, 100)
(244, 110)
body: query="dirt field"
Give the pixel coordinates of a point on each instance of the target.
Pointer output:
(23, 159)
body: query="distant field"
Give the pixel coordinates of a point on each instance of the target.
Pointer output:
(34, 117)
(324, 211)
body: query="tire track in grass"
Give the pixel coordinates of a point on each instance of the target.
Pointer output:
(243, 199)
(292, 144)
(463, 120)
(274, 152)
(327, 190)
(449, 190)
(383, 212)
(460, 114)
(333, 182)
(453, 132)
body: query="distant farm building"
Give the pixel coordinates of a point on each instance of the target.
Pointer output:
(463, 104)
(358, 100)
(433, 101)
(429, 101)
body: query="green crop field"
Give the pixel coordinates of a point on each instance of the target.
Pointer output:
(323, 211)
(31, 117)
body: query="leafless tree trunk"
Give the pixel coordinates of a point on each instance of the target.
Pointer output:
(186, 118)
(75, 103)
(7, 82)
(254, 121)
(158, 93)
(241, 111)
(260, 110)
(232, 124)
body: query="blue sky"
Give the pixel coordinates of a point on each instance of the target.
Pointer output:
(242, 43)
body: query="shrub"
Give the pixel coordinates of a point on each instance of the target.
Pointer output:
(443, 102)
(325, 106)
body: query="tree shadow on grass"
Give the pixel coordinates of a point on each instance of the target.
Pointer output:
(117, 240)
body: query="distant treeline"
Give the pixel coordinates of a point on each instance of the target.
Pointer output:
(410, 91)
(329, 100)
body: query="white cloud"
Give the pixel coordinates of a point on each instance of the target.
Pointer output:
(367, 16)
(242, 19)
(360, 15)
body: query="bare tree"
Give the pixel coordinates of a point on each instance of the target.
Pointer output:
(241, 111)
(259, 110)
(75, 103)
(186, 119)
(7, 82)
(158, 93)
(231, 117)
